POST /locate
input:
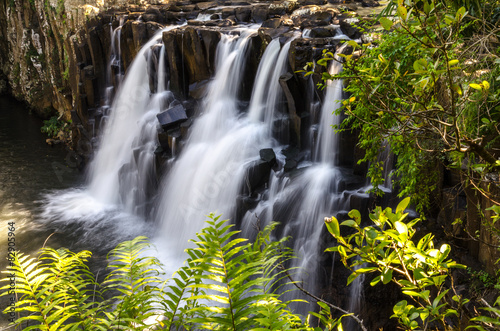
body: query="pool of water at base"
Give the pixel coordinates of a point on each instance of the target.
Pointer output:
(29, 168)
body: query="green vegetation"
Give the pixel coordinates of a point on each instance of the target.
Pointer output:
(54, 125)
(429, 89)
(388, 249)
(226, 283)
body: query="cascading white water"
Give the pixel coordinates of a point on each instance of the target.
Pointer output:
(124, 159)
(307, 197)
(161, 71)
(267, 92)
(326, 150)
(122, 172)
(209, 173)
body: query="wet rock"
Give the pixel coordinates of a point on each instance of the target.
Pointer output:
(311, 16)
(290, 152)
(315, 2)
(226, 12)
(257, 175)
(243, 14)
(348, 27)
(210, 40)
(268, 155)
(226, 23)
(178, 83)
(206, 5)
(290, 165)
(272, 23)
(185, 128)
(295, 98)
(260, 14)
(198, 90)
(163, 140)
(172, 117)
(370, 3)
(323, 32)
(269, 34)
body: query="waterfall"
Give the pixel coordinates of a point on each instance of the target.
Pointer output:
(209, 172)
(121, 170)
(305, 198)
(326, 150)
(162, 77)
(122, 173)
(267, 92)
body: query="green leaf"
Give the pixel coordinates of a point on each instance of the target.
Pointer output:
(386, 276)
(375, 281)
(402, 12)
(401, 228)
(333, 226)
(356, 215)
(402, 205)
(399, 307)
(386, 23)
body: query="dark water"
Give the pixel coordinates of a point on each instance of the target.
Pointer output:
(29, 168)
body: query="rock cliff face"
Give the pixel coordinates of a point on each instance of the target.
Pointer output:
(54, 53)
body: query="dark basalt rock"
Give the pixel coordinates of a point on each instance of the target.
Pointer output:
(290, 165)
(347, 26)
(370, 3)
(172, 117)
(268, 155)
(206, 5)
(272, 23)
(323, 32)
(243, 14)
(257, 175)
(260, 13)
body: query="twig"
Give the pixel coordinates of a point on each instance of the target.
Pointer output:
(356, 318)
(488, 305)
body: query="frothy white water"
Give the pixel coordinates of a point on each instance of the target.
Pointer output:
(209, 173)
(326, 151)
(122, 172)
(304, 199)
(267, 91)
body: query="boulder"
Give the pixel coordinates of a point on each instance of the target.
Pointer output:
(370, 3)
(172, 117)
(323, 32)
(243, 14)
(272, 23)
(206, 5)
(290, 165)
(257, 174)
(268, 155)
(260, 14)
(348, 27)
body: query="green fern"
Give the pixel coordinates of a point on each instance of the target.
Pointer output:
(226, 283)
(136, 279)
(235, 275)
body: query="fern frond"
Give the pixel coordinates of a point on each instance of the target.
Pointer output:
(234, 275)
(31, 282)
(134, 280)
